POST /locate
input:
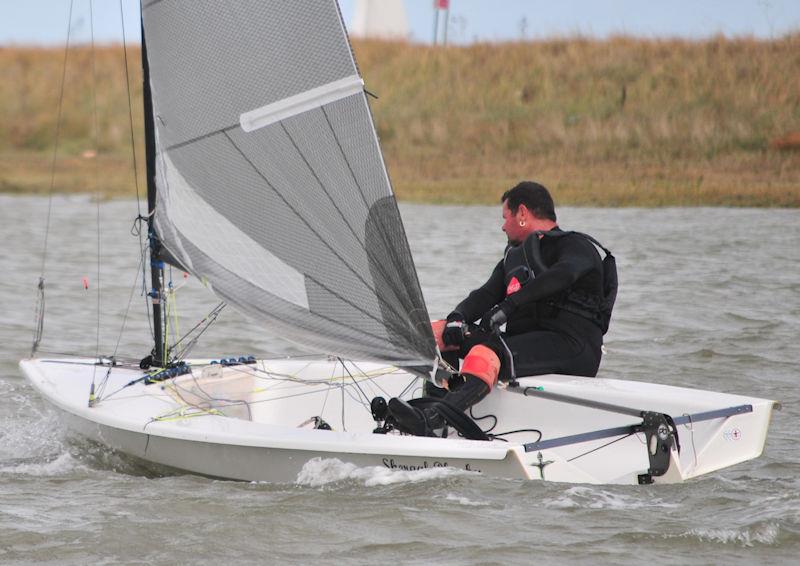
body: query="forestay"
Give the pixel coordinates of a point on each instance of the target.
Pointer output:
(271, 183)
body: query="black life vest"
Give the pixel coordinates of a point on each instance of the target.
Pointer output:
(517, 268)
(522, 262)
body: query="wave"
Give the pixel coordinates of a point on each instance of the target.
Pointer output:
(766, 534)
(56, 465)
(585, 497)
(318, 472)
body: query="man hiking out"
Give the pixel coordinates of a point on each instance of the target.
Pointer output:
(548, 290)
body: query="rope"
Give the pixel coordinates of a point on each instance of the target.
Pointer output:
(136, 229)
(39, 306)
(331, 383)
(203, 325)
(130, 113)
(170, 304)
(171, 309)
(38, 316)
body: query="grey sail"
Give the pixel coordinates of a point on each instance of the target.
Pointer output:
(271, 184)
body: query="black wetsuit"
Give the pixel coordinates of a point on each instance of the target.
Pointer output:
(553, 327)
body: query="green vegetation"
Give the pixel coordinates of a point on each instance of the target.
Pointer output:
(619, 122)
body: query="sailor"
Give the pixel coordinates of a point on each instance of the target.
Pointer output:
(548, 291)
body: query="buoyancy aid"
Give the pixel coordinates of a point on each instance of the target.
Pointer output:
(524, 261)
(517, 268)
(518, 271)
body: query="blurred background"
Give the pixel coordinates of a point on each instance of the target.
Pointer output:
(616, 103)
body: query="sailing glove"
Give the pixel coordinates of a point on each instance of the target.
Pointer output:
(496, 317)
(454, 330)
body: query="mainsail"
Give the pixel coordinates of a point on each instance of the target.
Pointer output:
(270, 181)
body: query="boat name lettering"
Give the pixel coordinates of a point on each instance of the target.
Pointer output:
(394, 465)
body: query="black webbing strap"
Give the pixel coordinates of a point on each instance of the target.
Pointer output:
(566, 232)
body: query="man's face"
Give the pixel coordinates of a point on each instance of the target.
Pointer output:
(511, 226)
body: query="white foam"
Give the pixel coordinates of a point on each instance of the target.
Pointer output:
(322, 471)
(585, 497)
(59, 466)
(762, 534)
(461, 500)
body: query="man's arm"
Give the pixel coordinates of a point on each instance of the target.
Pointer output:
(575, 258)
(484, 297)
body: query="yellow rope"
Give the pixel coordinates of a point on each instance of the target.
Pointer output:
(171, 312)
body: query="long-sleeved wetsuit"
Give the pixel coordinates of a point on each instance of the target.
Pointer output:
(551, 327)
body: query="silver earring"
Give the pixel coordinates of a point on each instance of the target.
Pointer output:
(522, 223)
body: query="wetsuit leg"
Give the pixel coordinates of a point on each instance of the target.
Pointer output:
(491, 341)
(545, 351)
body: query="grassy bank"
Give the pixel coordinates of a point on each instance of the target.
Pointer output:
(617, 122)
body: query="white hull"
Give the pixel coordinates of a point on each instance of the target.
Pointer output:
(190, 423)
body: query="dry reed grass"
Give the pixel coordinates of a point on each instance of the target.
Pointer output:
(613, 123)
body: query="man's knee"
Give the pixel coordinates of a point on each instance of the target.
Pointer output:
(483, 363)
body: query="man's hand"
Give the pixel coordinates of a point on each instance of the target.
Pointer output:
(496, 317)
(454, 330)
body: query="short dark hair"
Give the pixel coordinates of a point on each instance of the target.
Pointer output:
(534, 196)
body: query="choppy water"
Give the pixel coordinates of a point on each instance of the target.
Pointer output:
(709, 298)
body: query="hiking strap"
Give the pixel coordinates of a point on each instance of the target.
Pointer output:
(453, 416)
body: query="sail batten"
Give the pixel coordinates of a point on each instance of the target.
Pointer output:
(299, 103)
(271, 183)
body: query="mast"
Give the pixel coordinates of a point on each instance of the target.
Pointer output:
(156, 263)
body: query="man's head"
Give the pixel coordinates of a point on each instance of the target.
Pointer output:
(526, 208)
(534, 196)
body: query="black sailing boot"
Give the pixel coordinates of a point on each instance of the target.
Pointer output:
(423, 422)
(468, 393)
(408, 419)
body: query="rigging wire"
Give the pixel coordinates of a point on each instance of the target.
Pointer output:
(136, 228)
(331, 383)
(137, 231)
(102, 386)
(600, 447)
(203, 325)
(130, 115)
(40, 302)
(97, 189)
(128, 308)
(355, 382)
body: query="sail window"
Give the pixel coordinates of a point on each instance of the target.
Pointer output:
(225, 243)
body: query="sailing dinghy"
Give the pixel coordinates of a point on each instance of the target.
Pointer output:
(266, 182)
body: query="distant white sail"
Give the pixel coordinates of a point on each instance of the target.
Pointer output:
(270, 181)
(381, 19)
